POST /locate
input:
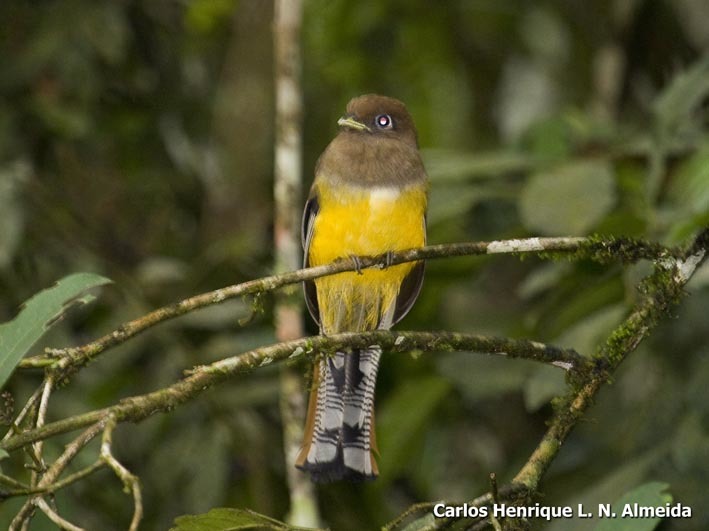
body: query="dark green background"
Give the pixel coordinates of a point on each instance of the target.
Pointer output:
(136, 141)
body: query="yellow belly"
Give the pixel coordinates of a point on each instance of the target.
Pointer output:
(363, 223)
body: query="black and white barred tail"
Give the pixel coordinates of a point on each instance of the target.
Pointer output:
(339, 440)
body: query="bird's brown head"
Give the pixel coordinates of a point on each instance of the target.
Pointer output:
(381, 116)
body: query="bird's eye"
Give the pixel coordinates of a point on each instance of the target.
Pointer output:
(383, 121)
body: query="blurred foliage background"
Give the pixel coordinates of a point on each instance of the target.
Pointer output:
(136, 141)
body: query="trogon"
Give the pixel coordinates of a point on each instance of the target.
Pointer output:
(368, 198)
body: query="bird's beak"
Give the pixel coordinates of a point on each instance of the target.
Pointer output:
(347, 121)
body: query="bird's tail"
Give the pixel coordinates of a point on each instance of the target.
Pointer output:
(339, 432)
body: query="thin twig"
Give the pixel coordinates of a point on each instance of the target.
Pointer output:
(10, 482)
(37, 447)
(131, 483)
(23, 490)
(47, 388)
(21, 519)
(15, 427)
(54, 517)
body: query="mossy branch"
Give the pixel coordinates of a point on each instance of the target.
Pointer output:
(606, 250)
(201, 378)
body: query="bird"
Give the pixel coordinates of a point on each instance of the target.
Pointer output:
(368, 198)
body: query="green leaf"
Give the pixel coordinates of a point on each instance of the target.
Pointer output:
(687, 90)
(648, 495)
(689, 188)
(549, 139)
(689, 196)
(461, 180)
(38, 314)
(443, 165)
(401, 419)
(568, 200)
(228, 519)
(454, 201)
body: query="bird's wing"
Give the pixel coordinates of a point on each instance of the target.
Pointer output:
(410, 287)
(311, 211)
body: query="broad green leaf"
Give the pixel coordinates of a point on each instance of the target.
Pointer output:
(648, 495)
(454, 201)
(683, 95)
(401, 419)
(690, 187)
(461, 180)
(549, 139)
(687, 228)
(448, 166)
(38, 314)
(227, 519)
(568, 200)
(689, 194)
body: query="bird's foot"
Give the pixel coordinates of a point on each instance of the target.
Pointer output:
(357, 264)
(388, 260)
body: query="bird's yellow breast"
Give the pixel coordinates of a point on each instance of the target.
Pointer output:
(356, 221)
(361, 221)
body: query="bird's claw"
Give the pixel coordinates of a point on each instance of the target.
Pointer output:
(357, 264)
(388, 260)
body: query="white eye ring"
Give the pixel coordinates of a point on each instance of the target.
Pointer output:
(383, 121)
